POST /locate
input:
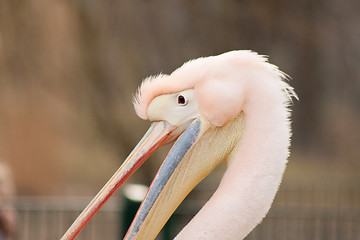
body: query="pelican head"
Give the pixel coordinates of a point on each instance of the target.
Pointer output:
(229, 108)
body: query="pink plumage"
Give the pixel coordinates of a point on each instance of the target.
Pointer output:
(219, 82)
(225, 85)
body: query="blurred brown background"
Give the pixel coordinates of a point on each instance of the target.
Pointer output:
(69, 69)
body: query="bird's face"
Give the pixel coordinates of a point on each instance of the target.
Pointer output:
(178, 109)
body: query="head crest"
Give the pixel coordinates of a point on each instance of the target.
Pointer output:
(221, 76)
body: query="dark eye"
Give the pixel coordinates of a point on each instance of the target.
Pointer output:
(181, 100)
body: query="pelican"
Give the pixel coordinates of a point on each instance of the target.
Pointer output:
(231, 108)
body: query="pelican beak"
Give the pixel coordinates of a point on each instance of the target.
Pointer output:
(188, 162)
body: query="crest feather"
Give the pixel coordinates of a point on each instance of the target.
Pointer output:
(234, 66)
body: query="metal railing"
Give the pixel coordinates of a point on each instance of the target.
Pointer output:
(296, 214)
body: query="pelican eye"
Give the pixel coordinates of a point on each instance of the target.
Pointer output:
(181, 100)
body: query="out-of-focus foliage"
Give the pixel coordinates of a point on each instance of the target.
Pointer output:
(68, 70)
